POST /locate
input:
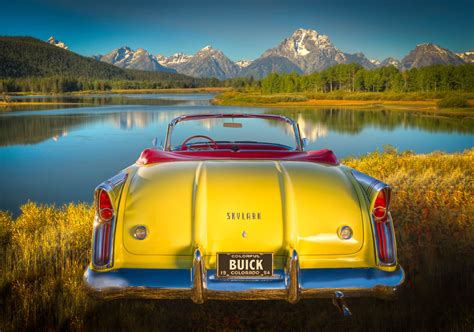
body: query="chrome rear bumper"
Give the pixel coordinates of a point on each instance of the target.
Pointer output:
(198, 284)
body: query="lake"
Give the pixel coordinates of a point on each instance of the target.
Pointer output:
(58, 154)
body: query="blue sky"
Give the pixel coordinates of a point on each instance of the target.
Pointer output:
(241, 29)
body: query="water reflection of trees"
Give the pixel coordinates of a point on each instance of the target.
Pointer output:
(32, 129)
(99, 100)
(354, 121)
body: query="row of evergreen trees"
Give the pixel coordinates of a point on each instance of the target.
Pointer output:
(58, 84)
(344, 77)
(353, 77)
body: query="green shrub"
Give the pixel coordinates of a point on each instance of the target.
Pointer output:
(454, 101)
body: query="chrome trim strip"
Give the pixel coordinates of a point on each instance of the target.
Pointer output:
(389, 221)
(109, 186)
(179, 283)
(371, 187)
(199, 278)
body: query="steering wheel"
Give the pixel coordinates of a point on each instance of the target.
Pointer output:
(212, 144)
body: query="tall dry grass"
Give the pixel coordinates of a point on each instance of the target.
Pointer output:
(46, 249)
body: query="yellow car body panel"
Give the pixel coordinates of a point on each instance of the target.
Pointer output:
(186, 205)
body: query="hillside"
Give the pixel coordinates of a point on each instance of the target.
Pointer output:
(22, 57)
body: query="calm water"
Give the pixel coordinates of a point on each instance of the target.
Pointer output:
(60, 155)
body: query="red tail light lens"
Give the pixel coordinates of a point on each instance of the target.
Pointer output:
(384, 228)
(380, 206)
(103, 230)
(105, 208)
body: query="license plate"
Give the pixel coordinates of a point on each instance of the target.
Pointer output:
(244, 265)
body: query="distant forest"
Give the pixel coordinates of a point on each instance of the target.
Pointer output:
(346, 77)
(30, 65)
(354, 78)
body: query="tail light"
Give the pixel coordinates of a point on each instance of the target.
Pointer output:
(384, 232)
(105, 208)
(105, 219)
(102, 239)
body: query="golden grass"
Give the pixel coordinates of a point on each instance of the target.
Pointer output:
(45, 250)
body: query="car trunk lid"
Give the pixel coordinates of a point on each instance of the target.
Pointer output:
(241, 206)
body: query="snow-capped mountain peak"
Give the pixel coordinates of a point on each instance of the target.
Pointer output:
(467, 56)
(209, 51)
(312, 51)
(390, 62)
(141, 59)
(173, 60)
(303, 40)
(243, 63)
(58, 43)
(209, 62)
(375, 62)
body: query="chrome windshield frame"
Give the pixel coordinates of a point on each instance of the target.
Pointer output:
(175, 121)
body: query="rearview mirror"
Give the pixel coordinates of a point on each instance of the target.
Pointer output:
(305, 142)
(232, 125)
(154, 142)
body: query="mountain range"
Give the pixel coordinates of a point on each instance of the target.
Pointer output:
(28, 57)
(125, 57)
(305, 51)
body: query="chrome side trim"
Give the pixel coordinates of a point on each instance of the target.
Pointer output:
(372, 187)
(179, 284)
(388, 223)
(293, 273)
(199, 278)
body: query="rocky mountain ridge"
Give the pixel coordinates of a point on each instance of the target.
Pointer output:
(305, 51)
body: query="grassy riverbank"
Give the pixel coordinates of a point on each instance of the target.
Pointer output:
(408, 100)
(44, 252)
(124, 91)
(34, 103)
(6, 100)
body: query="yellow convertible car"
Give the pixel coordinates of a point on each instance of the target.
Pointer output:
(221, 212)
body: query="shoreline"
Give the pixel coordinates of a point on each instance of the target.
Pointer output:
(229, 97)
(256, 100)
(123, 91)
(35, 103)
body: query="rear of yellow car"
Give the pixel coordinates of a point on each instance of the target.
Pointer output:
(243, 229)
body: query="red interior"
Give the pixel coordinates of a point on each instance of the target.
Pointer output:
(245, 151)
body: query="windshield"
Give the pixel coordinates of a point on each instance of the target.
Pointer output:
(234, 130)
